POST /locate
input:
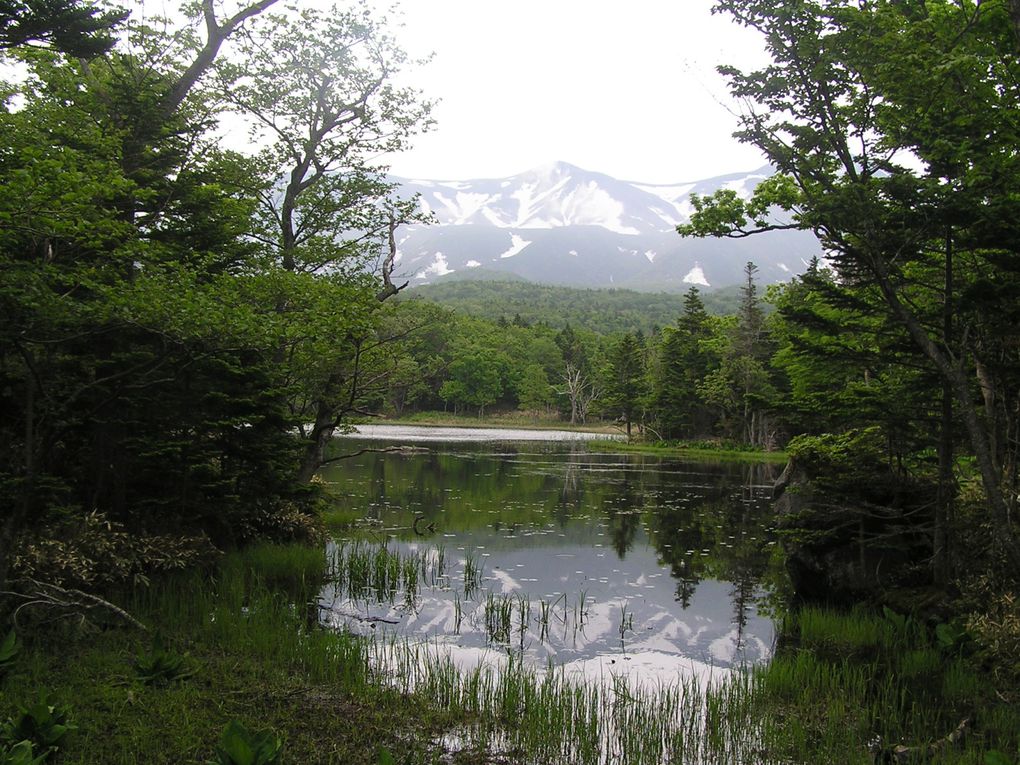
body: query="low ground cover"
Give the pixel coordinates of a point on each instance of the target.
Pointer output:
(241, 649)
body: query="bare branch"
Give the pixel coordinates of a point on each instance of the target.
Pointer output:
(71, 603)
(389, 288)
(386, 450)
(215, 36)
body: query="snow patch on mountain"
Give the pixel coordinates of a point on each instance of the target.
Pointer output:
(696, 276)
(668, 193)
(439, 267)
(589, 205)
(472, 264)
(517, 243)
(461, 207)
(744, 186)
(685, 209)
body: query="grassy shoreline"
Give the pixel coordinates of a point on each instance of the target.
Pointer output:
(527, 422)
(694, 451)
(248, 651)
(514, 420)
(246, 648)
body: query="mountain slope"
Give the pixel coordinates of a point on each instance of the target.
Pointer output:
(559, 224)
(600, 310)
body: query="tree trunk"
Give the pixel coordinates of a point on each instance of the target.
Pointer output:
(990, 398)
(318, 441)
(946, 489)
(952, 373)
(946, 482)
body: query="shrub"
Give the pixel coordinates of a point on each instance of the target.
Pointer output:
(161, 667)
(996, 634)
(10, 647)
(241, 746)
(21, 753)
(93, 551)
(43, 724)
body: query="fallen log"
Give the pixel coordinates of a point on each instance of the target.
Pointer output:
(895, 755)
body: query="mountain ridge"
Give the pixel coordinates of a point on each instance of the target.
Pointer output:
(561, 224)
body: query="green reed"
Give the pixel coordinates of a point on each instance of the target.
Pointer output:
(805, 706)
(472, 574)
(359, 570)
(837, 681)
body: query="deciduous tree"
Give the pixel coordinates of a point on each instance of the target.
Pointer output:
(893, 127)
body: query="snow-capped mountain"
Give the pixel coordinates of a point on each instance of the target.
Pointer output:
(559, 224)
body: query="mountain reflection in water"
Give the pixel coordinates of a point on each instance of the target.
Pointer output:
(587, 559)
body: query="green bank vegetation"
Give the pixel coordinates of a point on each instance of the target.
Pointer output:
(704, 451)
(246, 665)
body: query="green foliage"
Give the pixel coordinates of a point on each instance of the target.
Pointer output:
(161, 344)
(626, 381)
(684, 360)
(22, 753)
(476, 378)
(239, 745)
(952, 637)
(847, 463)
(10, 647)
(533, 389)
(850, 90)
(606, 312)
(45, 725)
(76, 28)
(161, 667)
(844, 365)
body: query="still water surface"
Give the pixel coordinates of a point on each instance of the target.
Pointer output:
(600, 563)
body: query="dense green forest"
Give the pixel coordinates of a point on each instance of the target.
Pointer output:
(700, 377)
(174, 311)
(604, 311)
(183, 330)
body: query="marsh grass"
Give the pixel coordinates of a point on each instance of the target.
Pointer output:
(473, 574)
(805, 706)
(549, 717)
(259, 656)
(702, 451)
(362, 571)
(262, 658)
(341, 519)
(295, 569)
(845, 678)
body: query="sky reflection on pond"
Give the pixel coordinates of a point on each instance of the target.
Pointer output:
(588, 560)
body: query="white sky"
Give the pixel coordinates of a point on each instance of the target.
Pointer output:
(627, 89)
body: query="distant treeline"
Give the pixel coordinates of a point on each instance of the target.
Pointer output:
(603, 311)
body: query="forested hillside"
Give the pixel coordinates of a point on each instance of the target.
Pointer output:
(602, 311)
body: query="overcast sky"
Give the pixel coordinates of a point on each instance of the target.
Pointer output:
(628, 89)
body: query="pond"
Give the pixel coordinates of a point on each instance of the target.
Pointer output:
(599, 563)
